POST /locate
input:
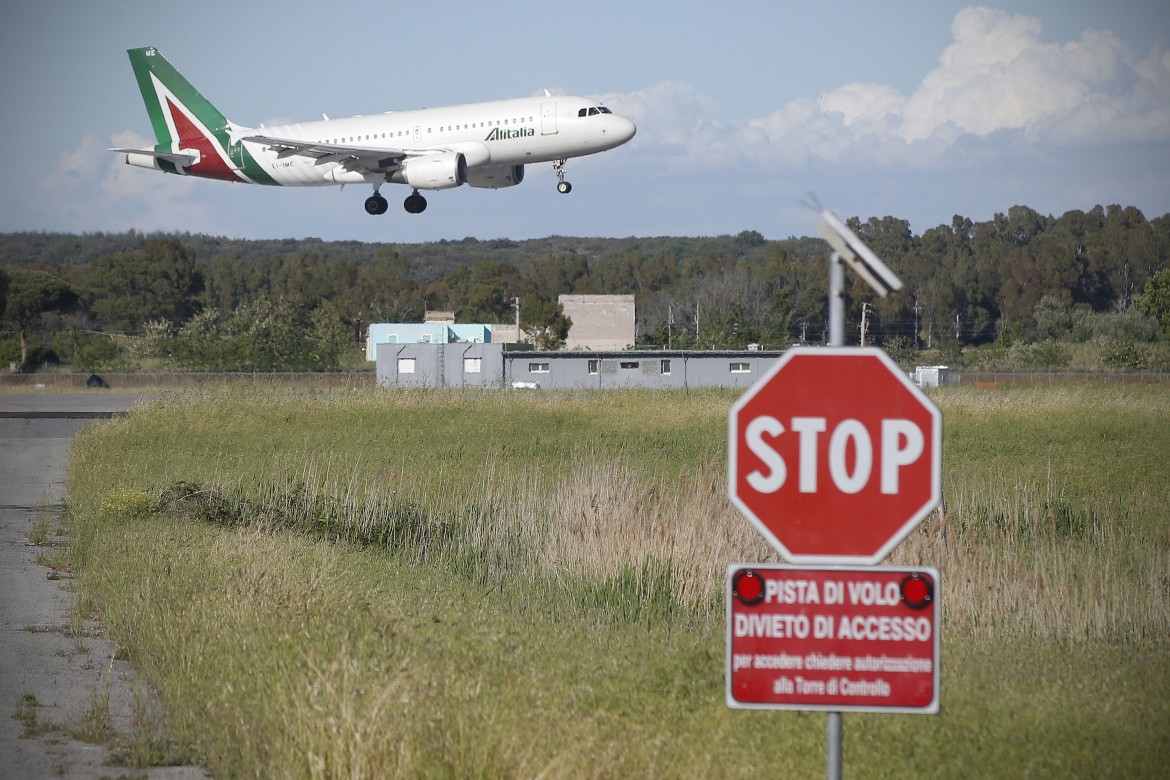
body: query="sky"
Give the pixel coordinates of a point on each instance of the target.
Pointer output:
(747, 111)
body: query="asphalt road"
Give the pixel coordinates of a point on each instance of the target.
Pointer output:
(56, 671)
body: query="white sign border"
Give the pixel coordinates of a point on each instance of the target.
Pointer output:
(931, 709)
(906, 529)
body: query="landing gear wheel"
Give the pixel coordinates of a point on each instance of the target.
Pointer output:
(376, 204)
(563, 186)
(415, 203)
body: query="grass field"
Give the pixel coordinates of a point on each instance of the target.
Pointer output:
(491, 585)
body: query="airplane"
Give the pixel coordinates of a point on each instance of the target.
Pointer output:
(478, 144)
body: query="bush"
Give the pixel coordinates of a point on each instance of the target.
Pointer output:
(39, 357)
(1125, 355)
(88, 351)
(9, 351)
(1128, 326)
(1045, 354)
(903, 352)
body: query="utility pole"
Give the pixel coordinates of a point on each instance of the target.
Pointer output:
(864, 324)
(916, 308)
(516, 305)
(669, 324)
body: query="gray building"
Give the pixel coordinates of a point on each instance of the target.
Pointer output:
(440, 365)
(488, 365)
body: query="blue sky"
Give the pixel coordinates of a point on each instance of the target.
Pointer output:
(919, 109)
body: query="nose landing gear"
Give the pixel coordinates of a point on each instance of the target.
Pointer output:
(563, 186)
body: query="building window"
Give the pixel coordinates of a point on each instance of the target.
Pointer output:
(666, 366)
(594, 366)
(472, 365)
(628, 364)
(406, 365)
(741, 368)
(538, 368)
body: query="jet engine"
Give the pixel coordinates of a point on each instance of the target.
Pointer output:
(434, 172)
(495, 176)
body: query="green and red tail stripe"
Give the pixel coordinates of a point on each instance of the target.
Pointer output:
(185, 120)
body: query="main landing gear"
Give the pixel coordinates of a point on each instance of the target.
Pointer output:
(414, 203)
(376, 204)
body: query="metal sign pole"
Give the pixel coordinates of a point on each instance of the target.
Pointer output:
(836, 339)
(836, 301)
(833, 750)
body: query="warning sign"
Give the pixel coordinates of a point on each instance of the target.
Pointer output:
(844, 638)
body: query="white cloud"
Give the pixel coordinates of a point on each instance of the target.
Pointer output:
(103, 191)
(998, 82)
(675, 124)
(998, 75)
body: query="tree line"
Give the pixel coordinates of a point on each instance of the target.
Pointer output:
(206, 302)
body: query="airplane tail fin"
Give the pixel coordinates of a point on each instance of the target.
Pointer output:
(192, 135)
(167, 93)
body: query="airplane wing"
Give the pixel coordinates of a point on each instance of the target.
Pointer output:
(354, 158)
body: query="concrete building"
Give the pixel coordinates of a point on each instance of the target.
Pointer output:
(601, 323)
(505, 333)
(488, 365)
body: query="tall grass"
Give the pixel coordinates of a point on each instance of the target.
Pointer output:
(1051, 526)
(491, 585)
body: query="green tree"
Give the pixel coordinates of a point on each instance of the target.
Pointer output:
(1155, 301)
(383, 291)
(484, 293)
(749, 238)
(545, 324)
(159, 281)
(554, 275)
(1054, 321)
(32, 293)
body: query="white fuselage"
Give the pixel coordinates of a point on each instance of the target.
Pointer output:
(497, 133)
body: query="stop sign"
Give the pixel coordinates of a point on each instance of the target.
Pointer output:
(834, 455)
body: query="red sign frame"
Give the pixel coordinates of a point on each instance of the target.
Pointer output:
(839, 639)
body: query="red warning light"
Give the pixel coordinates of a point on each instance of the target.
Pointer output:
(917, 591)
(748, 587)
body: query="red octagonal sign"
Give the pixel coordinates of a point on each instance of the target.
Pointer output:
(835, 455)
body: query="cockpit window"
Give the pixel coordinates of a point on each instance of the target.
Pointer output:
(594, 111)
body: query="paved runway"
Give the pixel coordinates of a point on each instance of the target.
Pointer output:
(50, 673)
